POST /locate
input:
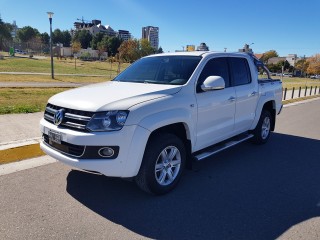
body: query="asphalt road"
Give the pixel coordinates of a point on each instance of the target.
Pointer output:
(247, 192)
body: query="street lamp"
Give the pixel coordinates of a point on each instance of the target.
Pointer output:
(50, 14)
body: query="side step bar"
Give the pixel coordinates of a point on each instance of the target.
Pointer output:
(207, 152)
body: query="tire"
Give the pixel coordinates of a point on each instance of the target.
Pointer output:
(162, 165)
(263, 129)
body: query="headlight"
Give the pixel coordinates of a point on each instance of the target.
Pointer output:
(107, 121)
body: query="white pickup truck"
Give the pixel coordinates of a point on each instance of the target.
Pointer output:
(160, 114)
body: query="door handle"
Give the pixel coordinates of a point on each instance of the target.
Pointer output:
(232, 99)
(253, 94)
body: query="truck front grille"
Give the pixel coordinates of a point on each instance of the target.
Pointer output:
(73, 119)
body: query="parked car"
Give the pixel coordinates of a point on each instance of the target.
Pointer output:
(287, 75)
(160, 114)
(315, 76)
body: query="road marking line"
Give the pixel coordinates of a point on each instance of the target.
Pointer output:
(301, 102)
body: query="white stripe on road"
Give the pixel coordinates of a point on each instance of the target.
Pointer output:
(301, 102)
(25, 164)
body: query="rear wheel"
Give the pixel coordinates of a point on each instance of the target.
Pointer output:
(162, 164)
(263, 129)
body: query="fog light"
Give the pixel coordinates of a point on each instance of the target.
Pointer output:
(106, 152)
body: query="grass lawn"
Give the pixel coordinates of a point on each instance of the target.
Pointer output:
(64, 66)
(289, 83)
(25, 100)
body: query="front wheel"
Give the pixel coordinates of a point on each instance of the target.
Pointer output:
(162, 164)
(263, 129)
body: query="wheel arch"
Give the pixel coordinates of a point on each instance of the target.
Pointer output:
(269, 106)
(182, 131)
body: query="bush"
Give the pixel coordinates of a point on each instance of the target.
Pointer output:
(85, 56)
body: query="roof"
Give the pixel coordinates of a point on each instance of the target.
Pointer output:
(258, 55)
(200, 53)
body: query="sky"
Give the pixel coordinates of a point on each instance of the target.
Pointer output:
(287, 26)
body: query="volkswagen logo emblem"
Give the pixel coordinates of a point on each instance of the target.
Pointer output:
(58, 117)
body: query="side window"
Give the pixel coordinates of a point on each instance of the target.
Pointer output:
(215, 67)
(240, 71)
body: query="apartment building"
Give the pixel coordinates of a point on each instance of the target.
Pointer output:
(152, 34)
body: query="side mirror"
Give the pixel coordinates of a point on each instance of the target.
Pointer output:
(213, 83)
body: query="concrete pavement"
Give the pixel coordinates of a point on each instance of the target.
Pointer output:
(19, 127)
(19, 136)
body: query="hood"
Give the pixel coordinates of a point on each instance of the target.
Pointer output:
(111, 95)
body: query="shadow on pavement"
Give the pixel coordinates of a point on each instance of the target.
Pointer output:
(247, 192)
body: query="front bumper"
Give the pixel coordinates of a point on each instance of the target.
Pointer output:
(131, 141)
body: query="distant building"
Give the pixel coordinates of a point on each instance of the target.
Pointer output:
(110, 32)
(14, 29)
(292, 59)
(203, 47)
(152, 34)
(82, 25)
(275, 60)
(259, 55)
(95, 27)
(124, 35)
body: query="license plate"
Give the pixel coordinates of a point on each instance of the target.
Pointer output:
(54, 137)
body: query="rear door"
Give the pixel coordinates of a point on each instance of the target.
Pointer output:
(246, 90)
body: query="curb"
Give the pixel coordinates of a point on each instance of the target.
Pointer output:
(20, 150)
(30, 148)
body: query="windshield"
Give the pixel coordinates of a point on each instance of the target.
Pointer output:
(174, 70)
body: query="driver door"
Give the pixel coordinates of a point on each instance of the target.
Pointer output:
(216, 108)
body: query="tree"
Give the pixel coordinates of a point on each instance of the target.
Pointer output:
(66, 38)
(97, 39)
(285, 64)
(27, 33)
(145, 48)
(101, 48)
(314, 64)
(5, 34)
(76, 47)
(35, 44)
(302, 65)
(57, 36)
(45, 38)
(160, 50)
(113, 45)
(129, 50)
(267, 55)
(84, 37)
(274, 67)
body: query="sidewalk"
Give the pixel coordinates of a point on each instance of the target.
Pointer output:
(19, 127)
(19, 136)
